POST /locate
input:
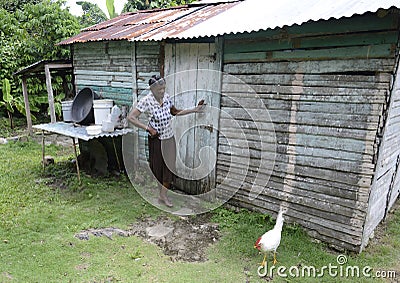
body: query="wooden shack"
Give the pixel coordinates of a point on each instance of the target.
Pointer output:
(331, 87)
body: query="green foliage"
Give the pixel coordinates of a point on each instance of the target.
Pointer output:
(44, 25)
(13, 5)
(134, 5)
(29, 35)
(7, 98)
(10, 44)
(10, 102)
(111, 9)
(92, 14)
(6, 131)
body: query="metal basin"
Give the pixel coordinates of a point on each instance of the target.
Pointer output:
(82, 107)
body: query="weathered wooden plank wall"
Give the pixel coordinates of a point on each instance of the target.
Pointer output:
(192, 71)
(325, 85)
(117, 70)
(147, 64)
(386, 184)
(106, 67)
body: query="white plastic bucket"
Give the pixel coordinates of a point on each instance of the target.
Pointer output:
(66, 107)
(101, 107)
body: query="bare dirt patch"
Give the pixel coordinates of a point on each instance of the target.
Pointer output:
(185, 239)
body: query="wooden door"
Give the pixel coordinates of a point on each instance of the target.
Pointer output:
(192, 73)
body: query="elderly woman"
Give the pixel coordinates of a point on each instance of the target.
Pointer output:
(159, 108)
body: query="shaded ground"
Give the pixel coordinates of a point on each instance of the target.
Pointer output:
(185, 239)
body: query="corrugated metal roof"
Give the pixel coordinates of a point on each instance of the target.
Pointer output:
(150, 24)
(192, 20)
(129, 25)
(38, 67)
(207, 20)
(266, 14)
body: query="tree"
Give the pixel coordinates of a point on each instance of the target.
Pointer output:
(134, 5)
(42, 26)
(29, 35)
(92, 14)
(12, 6)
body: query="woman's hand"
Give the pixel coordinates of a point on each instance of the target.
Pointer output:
(200, 106)
(152, 132)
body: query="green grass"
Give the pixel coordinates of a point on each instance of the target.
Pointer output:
(40, 213)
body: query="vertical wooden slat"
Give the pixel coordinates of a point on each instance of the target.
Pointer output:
(50, 94)
(208, 88)
(27, 107)
(383, 193)
(134, 101)
(185, 84)
(134, 73)
(146, 65)
(192, 74)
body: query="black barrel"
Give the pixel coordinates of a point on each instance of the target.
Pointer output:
(82, 107)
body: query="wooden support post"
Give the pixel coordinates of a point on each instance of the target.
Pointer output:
(27, 107)
(43, 149)
(134, 101)
(116, 155)
(50, 94)
(76, 162)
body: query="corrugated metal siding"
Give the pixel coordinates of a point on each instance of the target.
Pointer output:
(209, 20)
(325, 91)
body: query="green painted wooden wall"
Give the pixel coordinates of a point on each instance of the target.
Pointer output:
(106, 67)
(326, 86)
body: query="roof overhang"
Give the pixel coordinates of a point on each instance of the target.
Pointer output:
(38, 67)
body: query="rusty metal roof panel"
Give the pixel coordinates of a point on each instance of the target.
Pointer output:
(166, 15)
(131, 25)
(183, 24)
(154, 24)
(117, 21)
